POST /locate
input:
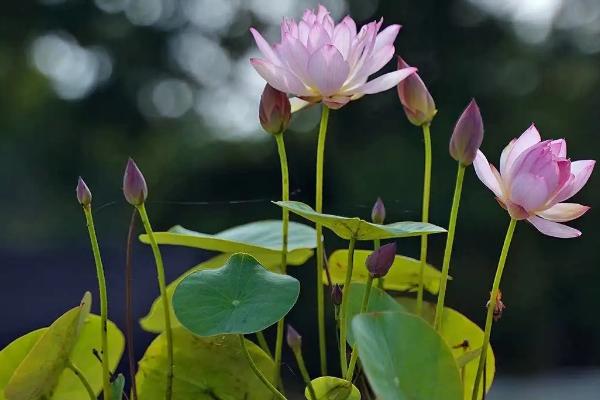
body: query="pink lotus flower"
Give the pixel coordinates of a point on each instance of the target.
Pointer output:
(318, 60)
(535, 178)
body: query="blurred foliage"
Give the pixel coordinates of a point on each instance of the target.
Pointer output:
(86, 84)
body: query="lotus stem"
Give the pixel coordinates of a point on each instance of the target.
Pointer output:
(439, 309)
(285, 217)
(160, 271)
(363, 309)
(129, 304)
(87, 209)
(320, 244)
(424, 213)
(262, 342)
(257, 371)
(82, 379)
(304, 373)
(492, 306)
(344, 306)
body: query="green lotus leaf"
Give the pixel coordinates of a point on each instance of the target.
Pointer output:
(459, 331)
(403, 276)
(241, 297)
(404, 358)
(379, 301)
(38, 373)
(332, 388)
(206, 368)
(68, 385)
(257, 238)
(346, 228)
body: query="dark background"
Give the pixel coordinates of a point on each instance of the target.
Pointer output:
(85, 84)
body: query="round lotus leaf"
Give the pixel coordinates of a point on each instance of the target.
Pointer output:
(241, 297)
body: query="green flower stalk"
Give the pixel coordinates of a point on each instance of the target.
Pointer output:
(136, 192)
(84, 197)
(464, 143)
(419, 108)
(274, 115)
(491, 306)
(378, 217)
(294, 341)
(344, 307)
(378, 264)
(79, 374)
(320, 244)
(257, 372)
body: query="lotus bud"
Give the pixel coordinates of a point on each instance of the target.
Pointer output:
(275, 110)
(336, 294)
(84, 196)
(294, 340)
(134, 184)
(380, 261)
(467, 136)
(415, 98)
(378, 212)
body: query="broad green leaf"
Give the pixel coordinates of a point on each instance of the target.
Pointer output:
(240, 297)
(467, 357)
(116, 387)
(154, 321)
(360, 229)
(379, 301)
(257, 238)
(206, 368)
(68, 386)
(332, 388)
(405, 359)
(458, 330)
(37, 375)
(403, 276)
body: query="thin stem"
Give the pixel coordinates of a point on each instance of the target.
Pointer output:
(87, 210)
(129, 304)
(363, 309)
(424, 213)
(82, 379)
(439, 309)
(376, 246)
(258, 373)
(262, 342)
(492, 305)
(320, 248)
(304, 373)
(285, 217)
(344, 307)
(160, 271)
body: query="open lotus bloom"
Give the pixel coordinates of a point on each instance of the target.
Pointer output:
(318, 60)
(535, 178)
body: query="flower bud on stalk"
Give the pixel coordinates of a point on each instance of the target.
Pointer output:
(134, 184)
(275, 111)
(467, 136)
(294, 340)
(380, 261)
(378, 212)
(415, 98)
(336, 295)
(84, 196)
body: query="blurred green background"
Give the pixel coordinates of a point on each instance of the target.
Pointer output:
(85, 84)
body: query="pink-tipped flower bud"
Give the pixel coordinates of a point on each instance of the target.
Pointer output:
(336, 294)
(415, 98)
(380, 261)
(134, 184)
(294, 340)
(84, 196)
(378, 212)
(468, 135)
(275, 111)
